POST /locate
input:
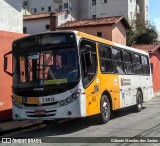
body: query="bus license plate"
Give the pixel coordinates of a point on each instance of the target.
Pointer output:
(40, 112)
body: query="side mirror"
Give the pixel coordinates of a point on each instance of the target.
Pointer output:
(6, 63)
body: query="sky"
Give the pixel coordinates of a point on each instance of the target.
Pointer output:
(154, 13)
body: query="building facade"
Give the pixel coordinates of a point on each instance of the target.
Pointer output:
(88, 9)
(38, 23)
(110, 28)
(11, 16)
(41, 6)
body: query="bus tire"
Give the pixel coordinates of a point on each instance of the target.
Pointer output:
(105, 110)
(139, 101)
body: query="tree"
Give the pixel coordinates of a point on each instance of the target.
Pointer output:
(141, 33)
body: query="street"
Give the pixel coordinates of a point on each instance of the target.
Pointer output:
(125, 123)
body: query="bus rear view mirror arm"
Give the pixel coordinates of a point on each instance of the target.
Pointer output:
(6, 63)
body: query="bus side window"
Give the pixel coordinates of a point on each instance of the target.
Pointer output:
(128, 67)
(145, 65)
(105, 59)
(137, 63)
(117, 61)
(88, 61)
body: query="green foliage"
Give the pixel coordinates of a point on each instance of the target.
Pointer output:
(141, 33)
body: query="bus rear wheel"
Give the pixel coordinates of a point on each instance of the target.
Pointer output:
(138, 106)
(105, 110)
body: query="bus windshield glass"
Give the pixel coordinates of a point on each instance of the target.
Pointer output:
(52, 67)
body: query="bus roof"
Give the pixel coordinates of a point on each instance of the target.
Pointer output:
(91, 37)
(94, 38)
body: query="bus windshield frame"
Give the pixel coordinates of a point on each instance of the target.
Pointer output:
(48, 64)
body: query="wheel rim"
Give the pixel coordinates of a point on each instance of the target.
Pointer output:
(106, 109)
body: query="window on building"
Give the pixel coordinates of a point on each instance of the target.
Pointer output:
(99, 34)
(24, 29)
(34, 10)
(152, 67)
(49, 9)
(93, 2)
(103, 1)
(65, 5)
(60, 7)
(47, 27)
(42, 8)
(93, 16)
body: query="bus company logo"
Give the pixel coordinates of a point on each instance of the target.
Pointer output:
(6, 140)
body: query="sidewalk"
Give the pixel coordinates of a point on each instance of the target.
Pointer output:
(11, 126)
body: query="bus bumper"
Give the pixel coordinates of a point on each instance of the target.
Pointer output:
(72, 110)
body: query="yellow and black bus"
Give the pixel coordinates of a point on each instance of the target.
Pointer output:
(70, 74)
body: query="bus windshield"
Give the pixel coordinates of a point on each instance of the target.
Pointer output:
(46, 68)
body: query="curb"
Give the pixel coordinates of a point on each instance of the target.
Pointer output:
(2, 132)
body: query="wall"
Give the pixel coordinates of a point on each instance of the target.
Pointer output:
(38, 4)
(111, 8)
(6, 39)
(119, 33)
(11, 15)
(73, 7)
(155, 59)
(106, 30)
(143, 8)
(63, 18)
(132, 9)
(35, 26)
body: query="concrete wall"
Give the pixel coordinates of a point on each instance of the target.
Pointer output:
(132, 9)
(63, 19)
(73, 7)
(11, 15)
(39, 4)
(111, 8)
(119, 33)
(155, 59)
(6, 39)
(35, 26)
(144, 8)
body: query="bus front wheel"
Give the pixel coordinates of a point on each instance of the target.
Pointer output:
(138, 106)
(105, 110)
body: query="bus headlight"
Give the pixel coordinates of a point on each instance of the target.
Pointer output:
(68, 100)
(71, 98)
(76, 94)
(15, 103)
(62, 103)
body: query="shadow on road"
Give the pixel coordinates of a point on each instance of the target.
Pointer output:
(69, 126)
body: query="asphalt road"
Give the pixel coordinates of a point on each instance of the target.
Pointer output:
(125, 123)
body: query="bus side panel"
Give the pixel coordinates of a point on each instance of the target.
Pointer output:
(92, 97)
(110, 83)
